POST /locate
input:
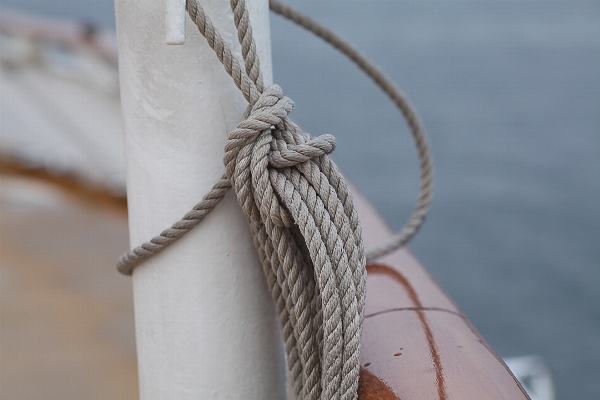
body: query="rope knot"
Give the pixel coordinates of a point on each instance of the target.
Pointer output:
(266, 139)
(288, 150)
(308, 236)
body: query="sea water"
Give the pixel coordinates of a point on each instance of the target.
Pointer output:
(509, 92)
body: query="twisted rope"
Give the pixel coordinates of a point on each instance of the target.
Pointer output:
(134, 257)
(304, 224)
(400, 100)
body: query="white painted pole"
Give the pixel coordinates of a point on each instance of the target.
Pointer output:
(205, 323)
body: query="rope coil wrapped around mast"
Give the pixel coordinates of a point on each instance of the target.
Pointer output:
(303, 222)
(308, 236)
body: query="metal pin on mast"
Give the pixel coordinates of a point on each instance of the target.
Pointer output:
(175, 22)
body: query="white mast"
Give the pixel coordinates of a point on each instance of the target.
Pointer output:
(206, 327)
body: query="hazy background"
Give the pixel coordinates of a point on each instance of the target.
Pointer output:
(509, 92)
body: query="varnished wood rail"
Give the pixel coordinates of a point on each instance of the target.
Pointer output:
(416, 343)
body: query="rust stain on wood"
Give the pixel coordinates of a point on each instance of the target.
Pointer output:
(371, 387)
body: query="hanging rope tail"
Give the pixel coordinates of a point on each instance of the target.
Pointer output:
(300, 211)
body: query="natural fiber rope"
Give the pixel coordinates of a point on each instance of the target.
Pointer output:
(417, 218)
(134, 257)
(302, 219)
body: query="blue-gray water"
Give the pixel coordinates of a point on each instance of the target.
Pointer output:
(510, 94)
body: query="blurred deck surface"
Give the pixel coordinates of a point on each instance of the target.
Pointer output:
(66, 315)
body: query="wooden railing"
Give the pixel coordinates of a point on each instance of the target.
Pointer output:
(416, 342)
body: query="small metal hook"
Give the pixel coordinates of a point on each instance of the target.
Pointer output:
(175, 21)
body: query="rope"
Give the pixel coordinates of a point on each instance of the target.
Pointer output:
(399, 99)
(134, 257)
(304, 224)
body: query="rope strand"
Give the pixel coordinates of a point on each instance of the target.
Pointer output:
(400, 100)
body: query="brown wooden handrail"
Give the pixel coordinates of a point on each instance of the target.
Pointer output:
(416, 342)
